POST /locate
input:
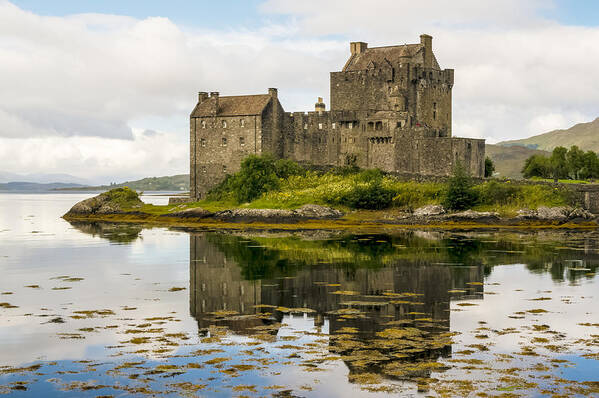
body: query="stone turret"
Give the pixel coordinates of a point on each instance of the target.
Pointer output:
(320, 106)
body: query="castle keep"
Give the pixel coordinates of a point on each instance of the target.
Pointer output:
(390, 109)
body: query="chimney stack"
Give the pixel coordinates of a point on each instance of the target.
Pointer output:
(214, 95)
(319, 106)
(202, 96)
(357, 47)
(427, 43)
(273, 92)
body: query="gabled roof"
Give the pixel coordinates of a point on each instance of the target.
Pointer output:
(238, 105)
(380, 56)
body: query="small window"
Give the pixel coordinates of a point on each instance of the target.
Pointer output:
(434, 105)
(434, 115)
(242, 122)
(224, 124)
(224, 141)
(306, 126)
(204, 170)
(203, 142)
(350, 125)
(225, 169)
(333, 126)
(379, 126)
(319, 126)
(203, 124)
(241, 141)
(370, 126)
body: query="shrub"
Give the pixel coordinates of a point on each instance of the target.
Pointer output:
(489, 167)
(493, 192)
(371, 196)
(460, 194)
(411, 195)
(257, 175)
(285, 168)
(370, 176)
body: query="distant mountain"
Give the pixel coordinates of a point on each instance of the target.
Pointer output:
(168, 183)
(510, 159)
(35, 187)
(584, 135)
(41, 178)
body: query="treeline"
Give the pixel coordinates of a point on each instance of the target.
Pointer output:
(563, 163)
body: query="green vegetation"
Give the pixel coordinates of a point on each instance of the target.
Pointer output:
(573, 164)
(266, 183)
(460, 194)
(489, 167)
(123, 197)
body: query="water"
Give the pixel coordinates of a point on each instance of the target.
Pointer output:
(92, 309)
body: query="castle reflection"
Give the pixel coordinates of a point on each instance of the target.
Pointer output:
(381, 305)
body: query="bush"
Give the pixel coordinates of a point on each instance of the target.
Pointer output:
(489, 167)
(493, 192)
(285, 168)
(412, 195)
(460, 194)
(371, 196)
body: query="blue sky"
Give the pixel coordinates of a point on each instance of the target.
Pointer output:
(245, 13)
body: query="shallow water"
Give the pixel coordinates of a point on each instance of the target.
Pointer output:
(91, 309)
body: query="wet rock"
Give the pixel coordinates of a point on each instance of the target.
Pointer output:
(196, 212)
(429, 210)
(472, 215)
(553, 213)
(318, 212)
(526, 214)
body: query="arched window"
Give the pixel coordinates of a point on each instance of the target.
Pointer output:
(203, 124)
(242, 122)
(224, 124)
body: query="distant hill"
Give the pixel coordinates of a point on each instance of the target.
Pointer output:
(35, 187)
(168, 183)
(584, 135)
(41, 178)
(510, 159)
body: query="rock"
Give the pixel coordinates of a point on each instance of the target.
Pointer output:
(526, 214)
(429, 210)
(110, 202)
(196, 212)
(579, 213)
(553, 213)
(318, 212)
(474, 215)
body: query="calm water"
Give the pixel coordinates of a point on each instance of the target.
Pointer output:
(106, 310)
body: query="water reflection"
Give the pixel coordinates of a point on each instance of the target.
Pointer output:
(115, 233)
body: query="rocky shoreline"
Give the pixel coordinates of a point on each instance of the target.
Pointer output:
(102, 207)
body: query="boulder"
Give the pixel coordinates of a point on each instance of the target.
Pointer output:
(429, 210)
(579, 213)
(318, 212)
(266, 215)
(553, 213)
(110, 202)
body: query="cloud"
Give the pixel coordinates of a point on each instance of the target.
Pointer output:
(94, 79)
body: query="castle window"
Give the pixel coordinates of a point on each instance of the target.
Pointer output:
(350, 125)
(203, 124)
(333, 126)
(225, 169)
(306, 126)
(203, 142)
(242, 122)
(224, 124)
(224, 142)
(434, 115)
(370, 126)
(204, 169)
(379, 126)
(320, 126)
(241, 141)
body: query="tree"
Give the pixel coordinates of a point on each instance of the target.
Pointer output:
(257, 175)
(489, 167)
(575, 162)
(537, 166)
(559, 163)
(460, 194)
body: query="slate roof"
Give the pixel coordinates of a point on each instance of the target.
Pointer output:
(238, 105)
(381, 55)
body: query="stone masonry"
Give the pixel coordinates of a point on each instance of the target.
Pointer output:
(390, 109)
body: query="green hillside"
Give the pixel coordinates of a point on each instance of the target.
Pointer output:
(510, 159)
(168, 183)
(584, 135)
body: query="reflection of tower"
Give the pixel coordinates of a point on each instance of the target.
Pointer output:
(216, 284)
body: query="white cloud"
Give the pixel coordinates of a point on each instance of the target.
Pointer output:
(80, 86)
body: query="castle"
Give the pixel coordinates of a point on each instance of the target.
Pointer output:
(390, 109)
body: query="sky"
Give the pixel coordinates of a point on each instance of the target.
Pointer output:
(102, 90)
